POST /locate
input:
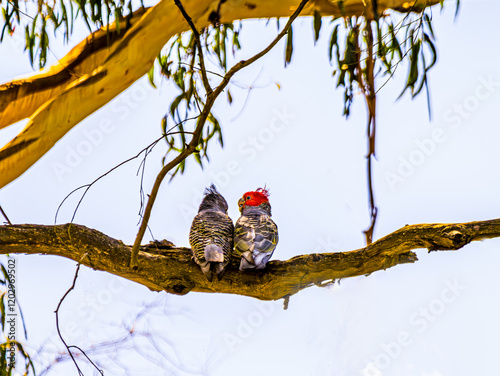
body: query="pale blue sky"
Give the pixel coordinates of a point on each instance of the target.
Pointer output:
(436, 317)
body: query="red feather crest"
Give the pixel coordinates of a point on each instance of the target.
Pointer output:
(257, 197)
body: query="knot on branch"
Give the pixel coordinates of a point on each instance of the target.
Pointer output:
(407, 258)
(179, 287)
(450, 239)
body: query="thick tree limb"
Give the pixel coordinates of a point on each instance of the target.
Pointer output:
(172, 270)
(100, 76)
(21, 97)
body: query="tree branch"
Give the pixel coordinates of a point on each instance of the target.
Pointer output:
(73, 94)
(196, 34)
(162, 267)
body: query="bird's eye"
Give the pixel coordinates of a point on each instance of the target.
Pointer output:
(248, 197)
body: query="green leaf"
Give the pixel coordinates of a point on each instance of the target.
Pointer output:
(175, 104)
(178, 77)
(432, 48)
(197, 158)
(289, 46)
(317, 25)
(413, 73)
(428, 23)
(44, 44)
(333, 42)
(118, 16)
(2, 310)
(151, 76)
(395, 45)
(236, 41)
(164, 125)
(65, 19)
(223, 48)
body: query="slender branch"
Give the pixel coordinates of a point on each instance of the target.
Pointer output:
(191, 147)
(371, 101)
(89, 185)
(57, 320)
(152, 197)
(86, 356)
(171, 269)
(196, 34)
(5, 216)
(59, 330)
(145, 150)
(244, 63)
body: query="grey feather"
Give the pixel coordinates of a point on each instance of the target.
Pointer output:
(211, 235)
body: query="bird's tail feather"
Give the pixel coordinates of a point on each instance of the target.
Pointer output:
(214, 253)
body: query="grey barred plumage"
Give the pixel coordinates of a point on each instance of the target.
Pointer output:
(211, 235)
(255, 234)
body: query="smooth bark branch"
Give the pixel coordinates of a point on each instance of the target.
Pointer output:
(56, 100)
(172, 270)
(21, 97)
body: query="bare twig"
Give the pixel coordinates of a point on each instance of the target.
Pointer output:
(86, 356)
(59, 330)
(371, 101)
(191, 147)
(130, 338)
(196, 34)
(145, 150)
(5, 216)
(89, 185)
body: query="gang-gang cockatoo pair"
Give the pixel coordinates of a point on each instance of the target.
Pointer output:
(213, 235)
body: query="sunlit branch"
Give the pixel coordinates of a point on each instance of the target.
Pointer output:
(163, 267)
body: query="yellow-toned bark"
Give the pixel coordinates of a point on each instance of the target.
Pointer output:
(162, 266)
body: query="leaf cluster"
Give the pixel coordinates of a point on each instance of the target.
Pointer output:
(180, 62)
(40, 19)
(409, 40)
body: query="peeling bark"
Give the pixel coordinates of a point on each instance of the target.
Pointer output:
(57, 99)
(165, 267)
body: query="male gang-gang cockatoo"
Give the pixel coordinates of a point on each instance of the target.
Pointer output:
(255, 233)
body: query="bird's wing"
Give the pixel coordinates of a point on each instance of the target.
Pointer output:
(256, 234)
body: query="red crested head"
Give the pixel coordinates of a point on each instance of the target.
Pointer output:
(254, 198)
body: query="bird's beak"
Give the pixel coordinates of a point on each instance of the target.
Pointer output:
(241, 203)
